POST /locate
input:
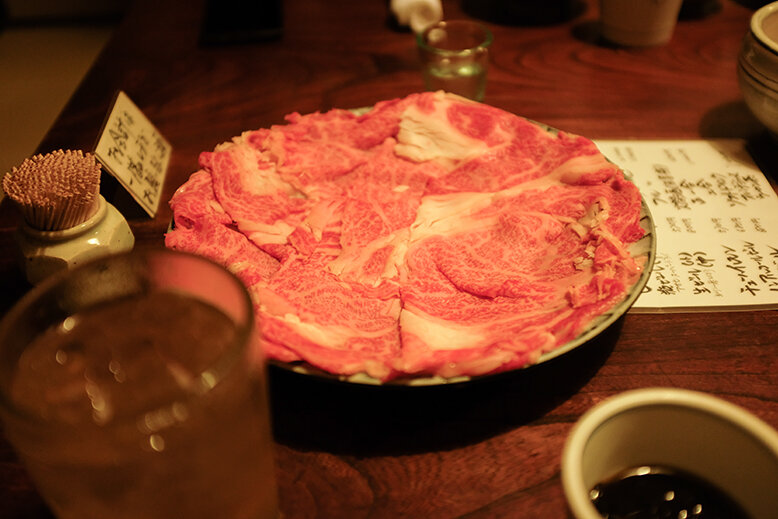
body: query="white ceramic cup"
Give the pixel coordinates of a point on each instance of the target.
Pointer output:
(693, 432)
(758, 67)
(639, 23)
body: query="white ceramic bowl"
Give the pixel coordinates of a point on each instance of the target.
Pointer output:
(758, 67)
(686, 430)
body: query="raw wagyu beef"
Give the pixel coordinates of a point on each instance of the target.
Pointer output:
(431, 235)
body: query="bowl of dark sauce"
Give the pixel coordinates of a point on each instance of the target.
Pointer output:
(670, 453)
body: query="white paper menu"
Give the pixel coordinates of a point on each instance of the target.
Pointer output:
(716, 220)
(132, 150)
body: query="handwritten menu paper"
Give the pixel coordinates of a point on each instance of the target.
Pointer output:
(132, 150)
(716, 219)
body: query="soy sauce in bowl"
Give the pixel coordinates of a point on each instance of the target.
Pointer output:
(662, 493)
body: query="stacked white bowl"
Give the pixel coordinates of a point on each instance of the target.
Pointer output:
(758, 67)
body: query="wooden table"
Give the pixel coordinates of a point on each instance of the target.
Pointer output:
(485, 449)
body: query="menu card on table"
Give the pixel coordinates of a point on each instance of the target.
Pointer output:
(716, 224)
(132, 150)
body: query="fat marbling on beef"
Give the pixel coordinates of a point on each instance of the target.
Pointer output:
(431, 235)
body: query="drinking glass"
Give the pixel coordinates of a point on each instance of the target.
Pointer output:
(455, 57)
(132, 386)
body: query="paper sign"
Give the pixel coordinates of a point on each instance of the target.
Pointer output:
(131, 149)
(716, 219)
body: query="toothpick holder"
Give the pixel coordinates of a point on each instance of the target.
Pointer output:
(43, 253)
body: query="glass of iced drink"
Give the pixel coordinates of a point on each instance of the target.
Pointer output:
(455, 57)
(133, 387)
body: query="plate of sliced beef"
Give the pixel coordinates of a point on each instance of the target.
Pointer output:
(426, 240)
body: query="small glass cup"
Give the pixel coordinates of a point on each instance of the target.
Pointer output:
(132, 386)
(455, 57)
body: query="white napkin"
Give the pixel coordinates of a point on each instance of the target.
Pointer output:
(418, 14)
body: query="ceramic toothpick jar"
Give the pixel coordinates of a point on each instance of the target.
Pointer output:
(65, 219)
(43, 253)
